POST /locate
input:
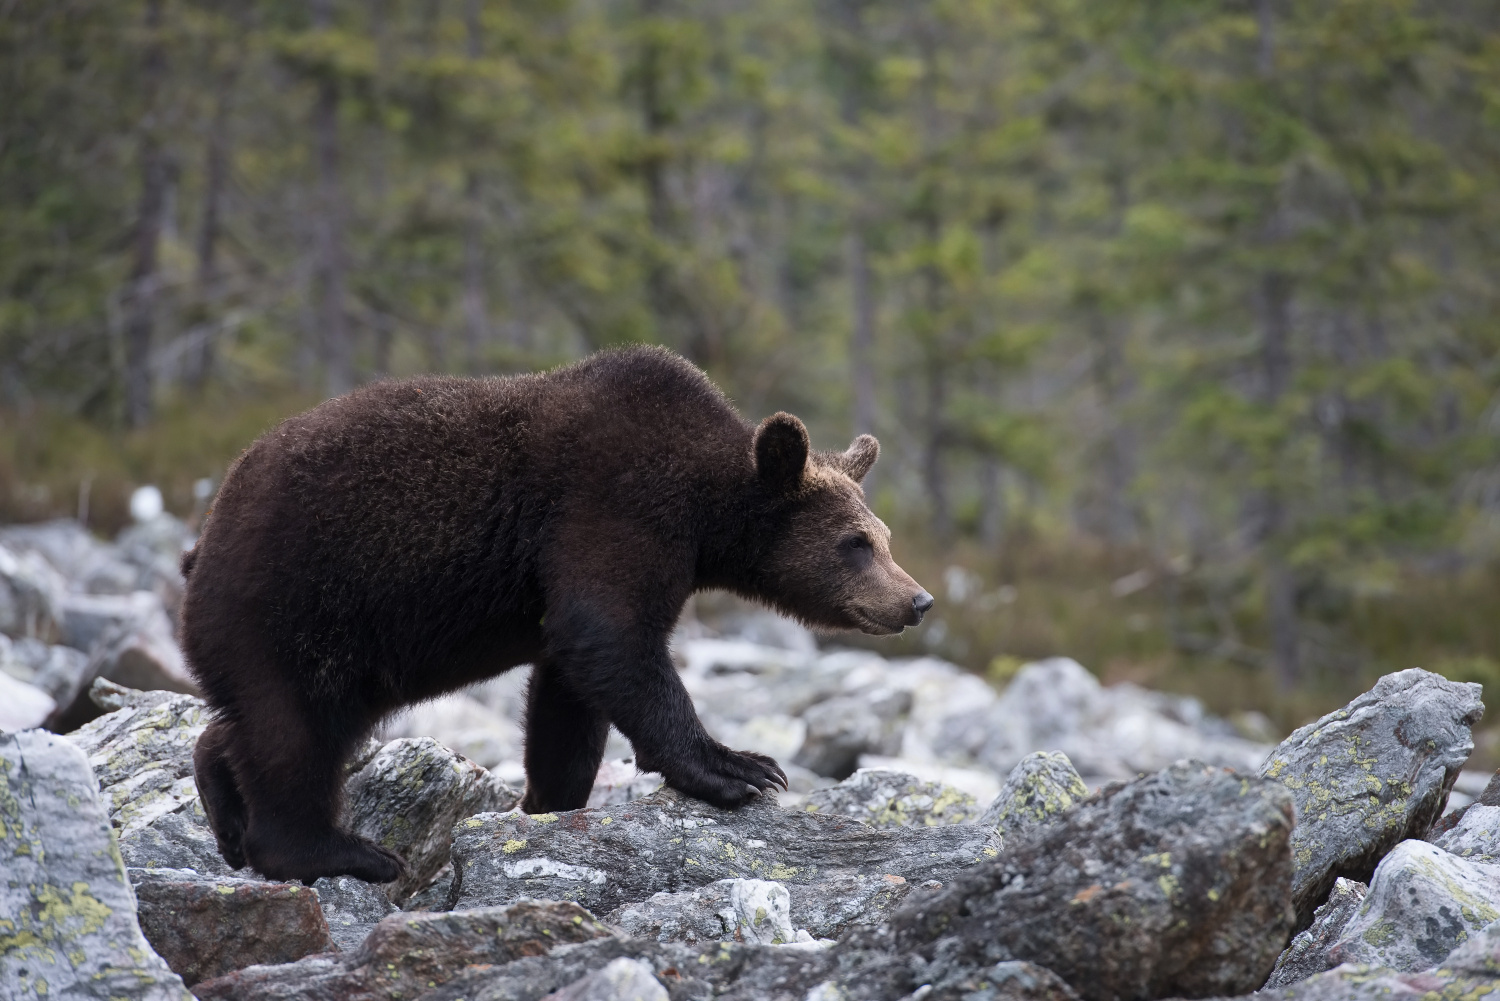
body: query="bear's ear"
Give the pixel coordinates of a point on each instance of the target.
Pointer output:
(860, 456)
(781, 448)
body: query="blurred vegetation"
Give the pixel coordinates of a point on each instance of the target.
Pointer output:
(1177, 322)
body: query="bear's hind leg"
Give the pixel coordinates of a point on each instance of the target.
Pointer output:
(289, 763)
(564, 744)
(218, 792)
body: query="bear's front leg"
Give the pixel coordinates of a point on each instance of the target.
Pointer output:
(628, 677)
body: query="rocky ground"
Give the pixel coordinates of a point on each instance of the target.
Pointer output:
(942, 840)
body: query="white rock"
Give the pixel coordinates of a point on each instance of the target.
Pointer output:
(22, 706)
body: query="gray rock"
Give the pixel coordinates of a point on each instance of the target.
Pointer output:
(408, 955)
(607, 857)
(409, 796)
(175, 841)
(1309, 952)
(730, 910)
(832, 905)
(205, 928)
(1176, 882)
(63, 543)
(435, 896)
(883, 798)
(1012, 981)
(86, 618)
(618, 980)
(463, 723)
(352, 908)
(1422, 904)
(1475, 836)
(142, 756)
(140, 654)
(31, 593)
(69, 920)
(22, 705)
(1038, 789)
(840, 729)
(1470, 971)
(53, 668)
(619, 781)
(1372, 774)
(728, 971)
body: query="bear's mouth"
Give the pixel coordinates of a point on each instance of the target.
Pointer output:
(874, 627)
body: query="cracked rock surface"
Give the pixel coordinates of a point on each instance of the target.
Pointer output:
(1371, 775)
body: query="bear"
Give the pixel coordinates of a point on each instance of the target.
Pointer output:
(415, 536)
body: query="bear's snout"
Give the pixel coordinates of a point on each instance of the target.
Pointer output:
(919, 606)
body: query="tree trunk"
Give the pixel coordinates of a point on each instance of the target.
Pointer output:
(141, 301)
(1281, 590)
(476, 307)
(215, 181)
(338, 351)
(862, 342)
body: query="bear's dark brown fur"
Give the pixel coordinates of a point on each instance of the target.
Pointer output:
(412, 537)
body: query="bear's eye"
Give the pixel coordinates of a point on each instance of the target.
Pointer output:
(855, 543)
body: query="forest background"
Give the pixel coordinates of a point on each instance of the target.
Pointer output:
(1177, 321)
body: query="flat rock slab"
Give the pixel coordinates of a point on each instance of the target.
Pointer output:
(1422, 904)
(67, 915)
(408, 797)
(1309, 953)
(730, 910)
(205, 928)
(1371, 775)
(883, 798)
(142, 756)
(607, 857)
(1178, 882)
(408, 955)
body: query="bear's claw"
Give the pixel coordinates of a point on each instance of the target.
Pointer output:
(728, 778)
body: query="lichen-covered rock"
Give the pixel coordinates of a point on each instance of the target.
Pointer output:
(1373, 774)
(1422, 904)
(67, 915)
(409, 796)
(604, 858)
(205, 928)
(842, 728)
(830, 906)
(1476, 835)
(618, 980)
(142, 756)
(730, 910)
(1176, 882)
(408, 955)
(1309, 952)
(1012, 981)
(175, 841)
(1472, 971)
(883, 798)
(1039, 788)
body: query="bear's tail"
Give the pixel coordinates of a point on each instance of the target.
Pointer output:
(188, 559)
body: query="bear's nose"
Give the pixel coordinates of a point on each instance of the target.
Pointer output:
(921, 603)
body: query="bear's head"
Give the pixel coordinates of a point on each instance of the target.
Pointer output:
(828, 560)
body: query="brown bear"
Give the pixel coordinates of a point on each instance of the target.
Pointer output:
(413, 537)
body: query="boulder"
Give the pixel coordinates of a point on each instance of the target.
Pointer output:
(408, 955)
(463, 723)
(22, 705)
(1309, 952)
(618, 980)
(1012, 981)
(730, 910)
(139, 654)
(55, 669)
(1475, 836)
(1470, 971)
(841, 729)
(142, 755)
(883, 798)
(69, 926)
(619, 781)
(610, 856)
(31, 593)
(1038, 789)
(1178, 882)
(205, 928)
(408, 797)
(87, 618)
(352, 908)
(1422, 904)
(175, 841)
(1373, 774)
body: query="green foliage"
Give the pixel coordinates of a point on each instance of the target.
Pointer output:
(1203, 291)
